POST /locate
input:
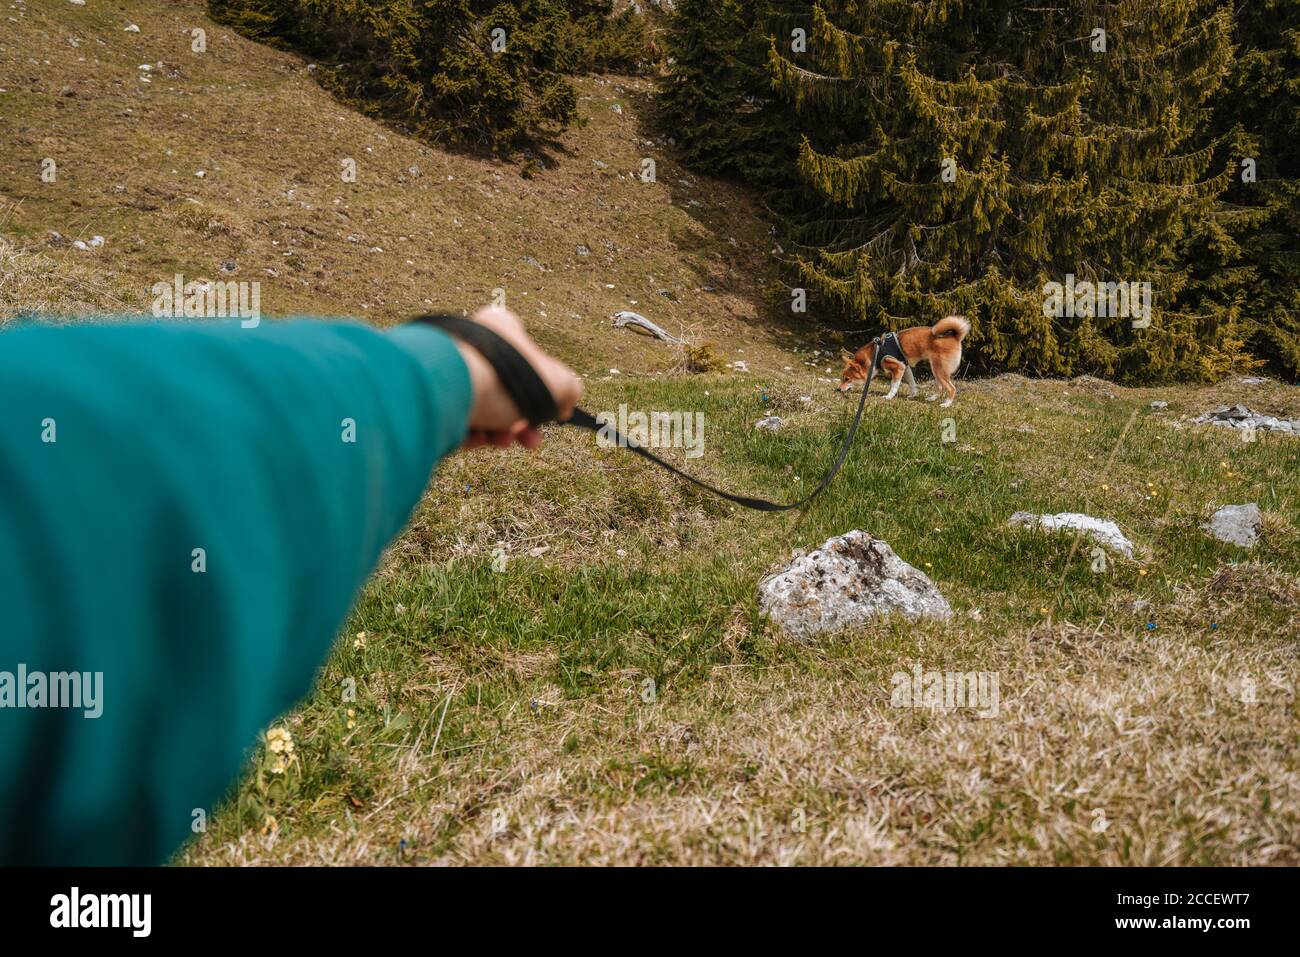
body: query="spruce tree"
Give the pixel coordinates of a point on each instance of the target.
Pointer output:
(987, 149)
(716, 99)
(480, 72)
(1262, 96)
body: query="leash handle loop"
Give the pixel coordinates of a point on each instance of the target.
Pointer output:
(529, 393)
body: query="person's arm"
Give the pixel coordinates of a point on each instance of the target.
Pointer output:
(189, 511)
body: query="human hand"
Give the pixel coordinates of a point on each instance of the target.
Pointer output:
(494, 419)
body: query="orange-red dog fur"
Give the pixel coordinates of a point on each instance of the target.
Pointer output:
(940, 345)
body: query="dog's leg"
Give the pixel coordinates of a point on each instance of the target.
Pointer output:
(911, 383)
(895, 375)
(943, 374)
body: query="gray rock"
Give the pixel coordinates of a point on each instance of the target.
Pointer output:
(1158, 404)
(1240, 417)
(583, 250)
(1236, 524)
(1100, 530)
(769, 424)
(847, 582)
(532, 261)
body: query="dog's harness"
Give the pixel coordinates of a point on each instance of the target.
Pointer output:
(537, 405)
(888, 347)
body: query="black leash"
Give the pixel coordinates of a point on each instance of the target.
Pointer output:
(537, 404)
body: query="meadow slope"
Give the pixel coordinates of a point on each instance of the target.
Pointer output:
(562, 660)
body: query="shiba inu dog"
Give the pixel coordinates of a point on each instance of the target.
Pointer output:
(940, 345)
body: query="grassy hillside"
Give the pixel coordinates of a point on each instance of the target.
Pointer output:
(505, 713)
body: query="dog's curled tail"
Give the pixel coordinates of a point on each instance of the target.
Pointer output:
(954, 326)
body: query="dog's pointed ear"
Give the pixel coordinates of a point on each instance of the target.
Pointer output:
(845, 354)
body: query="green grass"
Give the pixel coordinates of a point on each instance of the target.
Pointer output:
(553, 749)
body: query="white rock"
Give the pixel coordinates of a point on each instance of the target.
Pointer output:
(1158, 404)
(1099, 529)
(1236, 524)
(847, 582)
(96, 242)
(131, 28)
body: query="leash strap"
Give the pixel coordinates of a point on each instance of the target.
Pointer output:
(537, 405)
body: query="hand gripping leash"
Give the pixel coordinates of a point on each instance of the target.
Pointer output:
(537, 404)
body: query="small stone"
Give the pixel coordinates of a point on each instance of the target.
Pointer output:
(1236, 524)
(769, 423)
(1101, 530)
(1158, 404)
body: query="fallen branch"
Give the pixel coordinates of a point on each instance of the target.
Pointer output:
(622, 319)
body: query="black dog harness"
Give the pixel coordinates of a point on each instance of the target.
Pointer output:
(888, 347)
(537, 405)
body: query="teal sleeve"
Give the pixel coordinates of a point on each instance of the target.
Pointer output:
(188, 510)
